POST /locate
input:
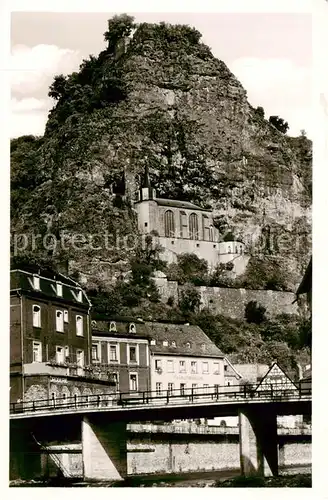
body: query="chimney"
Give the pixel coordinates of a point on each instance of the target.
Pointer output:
(300, 371)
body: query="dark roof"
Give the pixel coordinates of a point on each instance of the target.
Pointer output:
(22, 280)
(179, 204)
(102, 327)
(122, 319)
(181, 335)
(118, 334)
(306, 283)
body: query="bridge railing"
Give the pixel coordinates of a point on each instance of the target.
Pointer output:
(172, 397)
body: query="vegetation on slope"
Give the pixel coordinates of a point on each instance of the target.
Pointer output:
(162, 100)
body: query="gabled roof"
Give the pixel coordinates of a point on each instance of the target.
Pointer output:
(179, 204)
(274, 374)
(186, 340)
(231, 369)
(306, 283)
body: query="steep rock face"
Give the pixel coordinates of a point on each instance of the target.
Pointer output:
(182, 112)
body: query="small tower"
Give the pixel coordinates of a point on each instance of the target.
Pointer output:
(146, 192)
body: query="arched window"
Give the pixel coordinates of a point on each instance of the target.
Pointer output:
(79, 325)
(169, 227)
(241, 249)
(132, 328)
(206, 228)
(193, 227)
(112, 326)
(211, 233)
(183, 225)
(229, 249)
(37, 316)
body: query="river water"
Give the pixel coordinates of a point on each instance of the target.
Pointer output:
(186, 480)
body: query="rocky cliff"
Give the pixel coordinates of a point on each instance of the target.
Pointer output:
(157, 96)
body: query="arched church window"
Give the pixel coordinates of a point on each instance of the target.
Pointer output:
(169, 224)
(206, 228)
(183, 225)
(193, 227)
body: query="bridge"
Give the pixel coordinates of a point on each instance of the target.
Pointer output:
(102, 421)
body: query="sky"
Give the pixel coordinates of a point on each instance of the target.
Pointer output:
(270, 54)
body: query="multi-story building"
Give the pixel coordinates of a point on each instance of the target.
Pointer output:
(183, 227)
(50, 338)
(120, 346)
(183, 359)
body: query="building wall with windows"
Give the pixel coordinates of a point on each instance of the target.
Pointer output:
(183, 358)
(183, 373)
(50, 332)
(119, 348)
(183, 227)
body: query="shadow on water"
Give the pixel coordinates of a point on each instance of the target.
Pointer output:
(223, 478)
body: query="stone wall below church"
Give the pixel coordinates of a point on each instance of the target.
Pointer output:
(231, 302)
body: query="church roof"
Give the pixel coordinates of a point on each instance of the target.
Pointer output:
(179, 204)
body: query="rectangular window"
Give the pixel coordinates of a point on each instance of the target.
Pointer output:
(170, 387)
(158, 364)
(182, 389)
(36, 316)
(132, 354)
(79, 326)
(65, 316)
(59, 321)
(37, 352)
(194, 387)
(205, 367)
(159, 388)
(216, 367)
(80, 357)
(59, 289)
(94, 352)
(66, 353)
(182, 366)
(112, 353)
(36, 282)
(60, 354)
(79, 295)
(216, 388)
(205, 388)
(194, 367)
(170, 366)
(133, 382)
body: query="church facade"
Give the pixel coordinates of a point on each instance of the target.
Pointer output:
(182, 227)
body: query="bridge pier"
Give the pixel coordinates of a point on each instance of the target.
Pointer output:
(25, 455)
(258, 442)
(104, 449)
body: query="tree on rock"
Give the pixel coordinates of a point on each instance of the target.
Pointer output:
(118, 27)
(279, 123)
